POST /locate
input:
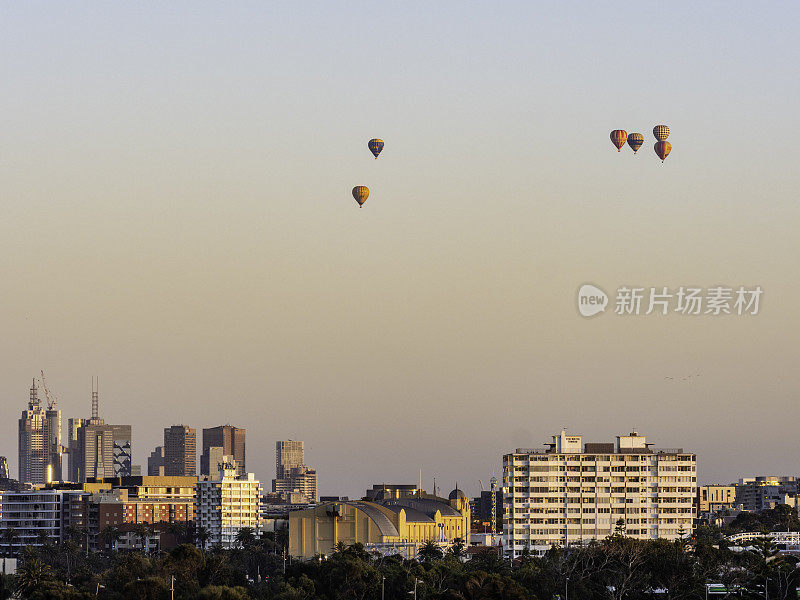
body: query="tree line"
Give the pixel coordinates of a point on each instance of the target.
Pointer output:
(616, 568)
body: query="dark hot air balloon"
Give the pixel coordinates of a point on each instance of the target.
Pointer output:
(635, 141)
(662, 149)
(661, 132)
(375, 146)
(618, 137)
(361, 193)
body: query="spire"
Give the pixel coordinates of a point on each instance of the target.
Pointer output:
(34, 399)
(95, 398)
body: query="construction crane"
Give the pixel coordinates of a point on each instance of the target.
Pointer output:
(51, 399)
(493, 482)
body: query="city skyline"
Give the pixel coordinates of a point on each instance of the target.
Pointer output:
(298, 447)
(178, 219)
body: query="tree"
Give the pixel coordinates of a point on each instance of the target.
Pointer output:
(203, 536)
(31, 575)
(150, 588)
(111, 535)
(10, 536)
(245, 536)
(430, 551)
(221, 592)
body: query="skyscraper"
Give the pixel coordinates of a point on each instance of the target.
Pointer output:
(292, 476)
(288, 454)
(39, 441)
(75, 462)
(180, 451)
(155, 463)
(100, 450)
(231, 440)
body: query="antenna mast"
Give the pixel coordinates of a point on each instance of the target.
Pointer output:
(95, 398)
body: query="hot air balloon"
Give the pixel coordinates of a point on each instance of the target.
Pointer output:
(361, 193)
(618, 137)
(375, 146)
(661, 132)
(662, 149)
(635, 141)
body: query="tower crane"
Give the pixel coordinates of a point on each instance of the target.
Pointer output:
(52, 401)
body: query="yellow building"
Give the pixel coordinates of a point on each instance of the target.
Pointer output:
(389, 526)
(715, 497)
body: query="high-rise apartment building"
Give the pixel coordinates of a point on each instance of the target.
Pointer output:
(180, 451)
(292, 476)
(227, 505)
(571, 493)
(98, 450)
(40, 447)
(231, 440)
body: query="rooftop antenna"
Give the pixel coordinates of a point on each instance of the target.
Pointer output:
(34, 401)
(95, 398)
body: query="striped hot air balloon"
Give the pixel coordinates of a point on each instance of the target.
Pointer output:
(375, 146)
(662, 148)
(361, 193)
(661, 132)
(635, 141)
(618, 137)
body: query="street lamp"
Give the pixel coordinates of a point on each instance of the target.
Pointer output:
(383, 582)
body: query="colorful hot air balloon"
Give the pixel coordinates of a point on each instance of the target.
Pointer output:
(662, 149)
(618, 137)
(361, 193)
(635, 141)
(375, 146)
(661, 132)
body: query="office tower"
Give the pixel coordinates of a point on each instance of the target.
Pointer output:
(4, 474)
(227, 505)
(155, 464)
(100, 450)
(571, 494)
(218, 462)
(73, 425)
(180, 451)
(288, 454)
(291, 473)
(39, 441)
(231, 440)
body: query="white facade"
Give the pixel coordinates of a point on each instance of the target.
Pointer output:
(571, 494)
(227, 505)
(39, 516)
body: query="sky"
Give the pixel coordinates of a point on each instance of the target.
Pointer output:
(176, 219)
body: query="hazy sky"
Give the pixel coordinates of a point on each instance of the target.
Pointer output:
(176, 219)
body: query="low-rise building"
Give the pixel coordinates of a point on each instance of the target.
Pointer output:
(766, 491)
(388, 525)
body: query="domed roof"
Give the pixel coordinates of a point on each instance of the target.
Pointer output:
(456, 494)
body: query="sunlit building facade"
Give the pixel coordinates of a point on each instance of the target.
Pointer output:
(571, 493)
